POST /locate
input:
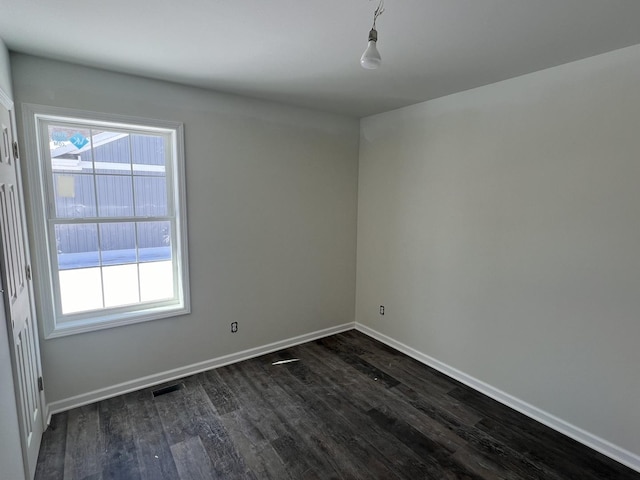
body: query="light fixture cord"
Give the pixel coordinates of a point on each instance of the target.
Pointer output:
(379, 11)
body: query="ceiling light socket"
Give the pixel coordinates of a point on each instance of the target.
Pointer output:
(371, 57)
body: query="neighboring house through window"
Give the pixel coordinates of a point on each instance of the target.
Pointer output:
(108, 203)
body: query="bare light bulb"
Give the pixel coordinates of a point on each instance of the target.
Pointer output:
(371, 57)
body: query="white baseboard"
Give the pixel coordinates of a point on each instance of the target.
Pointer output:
(157, 378)
(605, 447)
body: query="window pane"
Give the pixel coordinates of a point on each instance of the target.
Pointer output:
(156, 281)
(148, 155)
(70, 149)
(115, 196)
(77, 246)
(156, 267)
(154, 241)
(111, 152)
(118, 243)
(120, 285)
(74, 195)
(151, 196)
(80, 290)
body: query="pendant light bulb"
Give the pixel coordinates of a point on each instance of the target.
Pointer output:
(371, 57)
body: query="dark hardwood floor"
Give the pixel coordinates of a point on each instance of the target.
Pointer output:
(349, 408)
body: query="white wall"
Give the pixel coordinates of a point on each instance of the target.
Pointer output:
(272, 199)
(500, 227)
(10, 452)
(5, 70)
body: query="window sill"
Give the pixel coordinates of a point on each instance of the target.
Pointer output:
(74, 327)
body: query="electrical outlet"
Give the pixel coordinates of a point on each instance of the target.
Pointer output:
(234, 327)
(381, 309)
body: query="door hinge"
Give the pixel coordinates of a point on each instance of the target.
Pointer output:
(40, 384)
(28, 272)
(15, 150)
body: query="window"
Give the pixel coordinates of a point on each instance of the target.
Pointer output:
(108, 206)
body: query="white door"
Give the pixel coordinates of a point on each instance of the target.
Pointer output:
(16, 274)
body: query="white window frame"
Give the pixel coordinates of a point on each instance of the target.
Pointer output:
(46, 279)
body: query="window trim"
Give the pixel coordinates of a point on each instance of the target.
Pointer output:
(38, 196)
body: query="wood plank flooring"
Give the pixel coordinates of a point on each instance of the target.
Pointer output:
(350, 408)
